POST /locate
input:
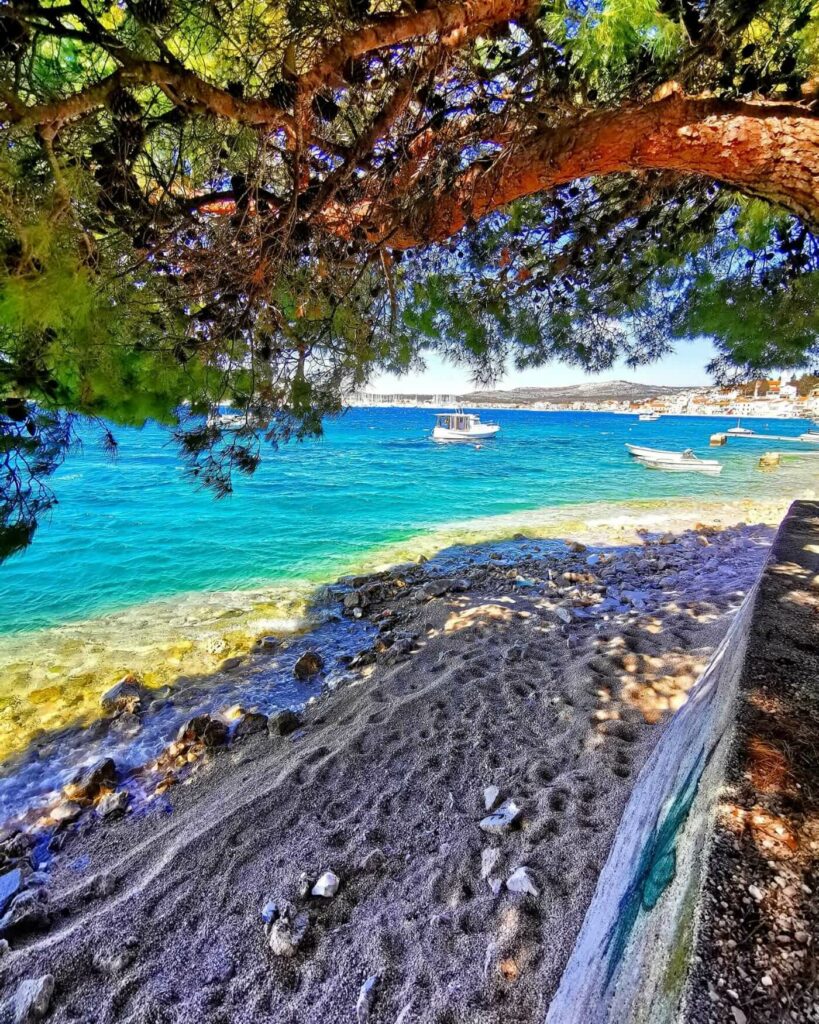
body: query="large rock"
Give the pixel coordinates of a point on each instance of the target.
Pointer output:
(439, 587)
(211, 731)
(126, 695)
(26, 913)
(88, 782)
(113, 805)
(33, 998)
(282, 723)
(11, 882)
(309, 664)
(250, 724)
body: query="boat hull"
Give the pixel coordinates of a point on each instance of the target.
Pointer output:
(479, 433)
(640, 452)
(688, 466)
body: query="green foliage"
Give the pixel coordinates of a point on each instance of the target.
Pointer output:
(164, 254)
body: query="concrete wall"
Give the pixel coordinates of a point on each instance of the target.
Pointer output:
(631, 957)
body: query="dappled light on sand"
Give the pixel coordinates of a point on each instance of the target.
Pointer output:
(480, 615)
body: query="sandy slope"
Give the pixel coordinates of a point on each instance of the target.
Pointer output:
(156, 917)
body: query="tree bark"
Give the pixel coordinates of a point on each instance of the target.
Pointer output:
(442, 20)
(768, 150)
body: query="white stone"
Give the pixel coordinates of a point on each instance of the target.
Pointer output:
(33, 998)
(502, 819)
(521, 881)
(491, 795)
(563, 613)
(756, 892)
(366, 997)
(489, 858)
(739, 1016)
(326, 886)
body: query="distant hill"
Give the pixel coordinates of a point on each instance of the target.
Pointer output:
(598, 391)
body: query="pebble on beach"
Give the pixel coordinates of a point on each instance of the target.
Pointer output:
(502, 819)
(491, 797)
(33, 999)
(326, 886)
(287, 932)
(522, 881)
(366, 998)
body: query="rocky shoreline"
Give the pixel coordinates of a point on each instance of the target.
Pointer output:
(418, 844)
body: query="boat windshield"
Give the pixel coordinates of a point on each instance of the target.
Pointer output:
(456, 421)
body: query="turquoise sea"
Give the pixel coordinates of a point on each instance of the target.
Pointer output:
(131, 530)
(138, 572)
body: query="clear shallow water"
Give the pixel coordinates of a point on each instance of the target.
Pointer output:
(133, 530)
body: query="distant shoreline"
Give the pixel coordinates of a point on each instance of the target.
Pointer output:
(608, 412)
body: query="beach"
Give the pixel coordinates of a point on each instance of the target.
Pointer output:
(462, 779)
(356, 746)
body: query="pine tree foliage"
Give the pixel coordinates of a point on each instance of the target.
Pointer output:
(238, 202)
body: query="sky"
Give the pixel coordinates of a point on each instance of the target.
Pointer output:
(684, 367)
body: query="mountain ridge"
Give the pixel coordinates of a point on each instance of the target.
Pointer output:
(600, 391)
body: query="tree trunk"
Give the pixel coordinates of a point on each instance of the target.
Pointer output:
(769, 150)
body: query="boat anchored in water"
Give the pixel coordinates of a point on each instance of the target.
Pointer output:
(674, 462)
(648, 417)
(461, 426)
(641, 452)
(739, 430)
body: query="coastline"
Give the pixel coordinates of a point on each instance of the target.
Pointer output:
(53, 678)
(545, 671)
(803, 416)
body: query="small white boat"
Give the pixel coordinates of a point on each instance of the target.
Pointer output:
(739, 430)
(461, 426)
(811, 436)
(640, 452)
(688, 462)
(234, 421)
(648, 417)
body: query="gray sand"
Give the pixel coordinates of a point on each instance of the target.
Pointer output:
(157, 917)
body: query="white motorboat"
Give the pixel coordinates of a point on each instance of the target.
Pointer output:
(462, 426)
(648, 417)
(811, 436)
(687, 463)
(739, 430)
(640, 452)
